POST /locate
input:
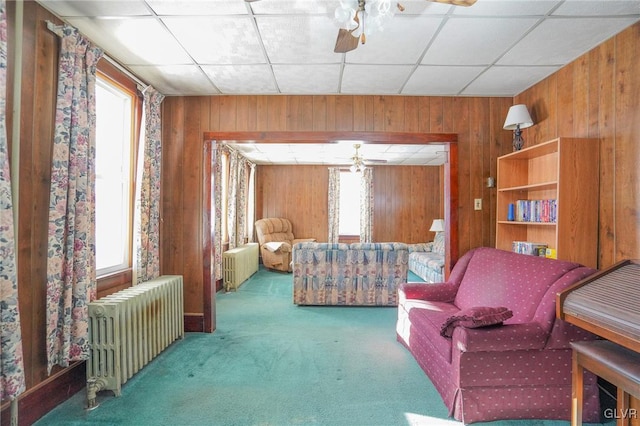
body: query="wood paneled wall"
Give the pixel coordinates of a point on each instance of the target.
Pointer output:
(597, 95)
(298, 193)
(406, 200)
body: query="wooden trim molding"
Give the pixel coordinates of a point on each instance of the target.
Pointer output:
(38, 401)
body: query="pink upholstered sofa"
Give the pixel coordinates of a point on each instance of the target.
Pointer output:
(517, 369)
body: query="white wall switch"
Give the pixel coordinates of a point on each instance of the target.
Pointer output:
(477, 205)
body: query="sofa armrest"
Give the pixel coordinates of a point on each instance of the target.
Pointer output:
(439, 292)
(277, 247)
(420, 247)
(510, 337)
(302, 240)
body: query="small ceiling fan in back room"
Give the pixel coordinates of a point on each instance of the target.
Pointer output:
(358, 18)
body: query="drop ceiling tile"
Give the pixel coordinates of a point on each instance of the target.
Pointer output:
(602, 8)
(475, 41)
(558, 41)
(439, 80)
(507, 81)
(319, 79)
(299, 39)
(218, 40)
(170, 80)
(241, 79)
(97, 8)
(402, 41)
(508, 8)
(294, 7)
(138, 41)
(198, 7)
(367, 79)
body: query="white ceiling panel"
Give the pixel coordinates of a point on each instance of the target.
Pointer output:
(299, 39)
(342, 153)
(242, 79)
(197, 8)
(597, 8)
(500, 81)
(440, 80)
(391, 44)
(174, 80)
(559, 41)
(97, 8)
(361, 79)
(295, 7)
(219, 40)
(137, 41)
(493, 48)
(307, 79)
(509, 8)
(480, 41)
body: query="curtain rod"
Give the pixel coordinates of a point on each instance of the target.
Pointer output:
(142, 86)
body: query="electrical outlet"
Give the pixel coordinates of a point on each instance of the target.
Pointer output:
(478, 204)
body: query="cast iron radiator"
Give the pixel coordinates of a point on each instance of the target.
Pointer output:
(239, 264)
(129, 328)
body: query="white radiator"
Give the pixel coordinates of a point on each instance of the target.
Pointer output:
(129, 328)
(239, 264)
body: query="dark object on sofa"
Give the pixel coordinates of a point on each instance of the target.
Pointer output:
(499, 367)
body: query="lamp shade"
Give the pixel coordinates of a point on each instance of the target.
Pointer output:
(437, 225)
(518, 115)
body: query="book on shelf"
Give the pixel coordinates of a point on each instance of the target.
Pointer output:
(529, 247)
(540, 211)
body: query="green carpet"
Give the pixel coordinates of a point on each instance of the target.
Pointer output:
(271, 362)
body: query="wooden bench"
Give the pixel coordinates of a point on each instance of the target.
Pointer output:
(614, 363)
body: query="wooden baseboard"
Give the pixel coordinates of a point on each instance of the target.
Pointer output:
(194, 323)
(38, 401)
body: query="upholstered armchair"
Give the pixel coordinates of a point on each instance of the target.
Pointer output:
(275, 236)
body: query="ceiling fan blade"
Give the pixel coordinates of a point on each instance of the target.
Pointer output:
(373, 161)
(345, 42)
(465, 3)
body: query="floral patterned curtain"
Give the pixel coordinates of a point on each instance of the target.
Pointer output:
(12, 382)
(217, 213)
(251, 202)
(366, 206)
(147, 210)
(334, 204)
(241, 201)
(232, 193)
(71, 265)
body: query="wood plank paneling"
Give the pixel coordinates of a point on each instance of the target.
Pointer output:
(605, 82)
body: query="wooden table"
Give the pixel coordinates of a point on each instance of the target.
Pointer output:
(614, 363)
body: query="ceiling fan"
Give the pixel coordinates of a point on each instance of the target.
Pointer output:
(356, 14)
(358, 163)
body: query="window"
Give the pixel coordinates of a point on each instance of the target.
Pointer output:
(114, 171)
(349, 203)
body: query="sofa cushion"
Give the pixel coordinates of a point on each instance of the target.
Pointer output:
(426, 318)
(476, 317)
(502, 278)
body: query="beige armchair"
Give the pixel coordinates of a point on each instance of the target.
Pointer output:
(275, 236)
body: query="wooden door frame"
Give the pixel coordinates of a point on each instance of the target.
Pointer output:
(449, 140)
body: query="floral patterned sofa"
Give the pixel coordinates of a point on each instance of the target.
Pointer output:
(489, 339)
(426, 260)
(349, 274)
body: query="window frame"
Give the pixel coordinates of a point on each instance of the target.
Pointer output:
(119, 279)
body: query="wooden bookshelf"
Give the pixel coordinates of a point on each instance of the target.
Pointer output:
(564, 169)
